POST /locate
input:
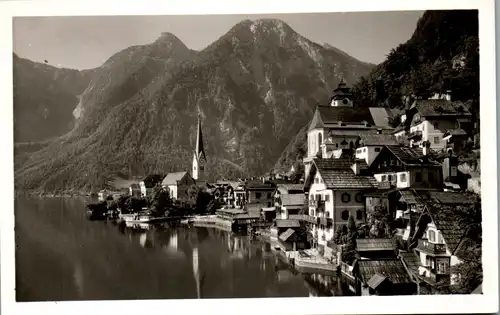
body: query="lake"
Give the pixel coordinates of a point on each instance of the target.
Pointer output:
(60, 255)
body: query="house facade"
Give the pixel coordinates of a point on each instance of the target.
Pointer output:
(368, 146)
(259, 192)
(432, 119)
(289, 199)
(178, 185)
(335, 190)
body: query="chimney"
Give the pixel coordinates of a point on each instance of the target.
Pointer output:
(447, 95)
(426, 148)
(356, 168)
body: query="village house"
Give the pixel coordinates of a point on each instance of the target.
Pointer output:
(338, 125)
(382, 277)
(438, 233)
(368, 146)
(434, 118)
(259, 192)
(178, 185)
(289, 199)
(335, 191)
(373, 248)
(149, 182)
(135, 190)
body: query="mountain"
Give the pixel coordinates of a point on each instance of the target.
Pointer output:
(44, 98)
(442, 54)
(254, 88)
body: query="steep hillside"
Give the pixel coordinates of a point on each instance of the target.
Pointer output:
(44, 99)
(255, 87)
(441, 55)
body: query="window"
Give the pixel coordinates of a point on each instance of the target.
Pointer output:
(440, 238)
(418, 177)
(436, 140)
(389, 178)
(194, 167)
(369, 201)
(258, 195)
(359, 197)
(327, 197)
(318, 197)
(359, 215)
(436, 125)
(392, 162)
(268, 195)
(383, 178)
(402, 178)
(377, 149)
(430, 177)
(345, 215)
(432, 236)
(315, 180)
(345, 197)
(320, 139)
(312, 212)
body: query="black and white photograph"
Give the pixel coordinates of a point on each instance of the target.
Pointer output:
(309, 160)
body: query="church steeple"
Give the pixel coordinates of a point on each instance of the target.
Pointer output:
(199, 158)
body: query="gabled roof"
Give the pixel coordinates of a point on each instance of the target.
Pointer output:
(374, 244)
(392, 269)
(173, 178)
(440, 108)
(335, 114)
(293, 199)
(338, 174)
(381, 116)
(152, 179)
(286, 235)
(411, 260)
(259, 185)
(444, 197)
(466, 249)
(286, 223)
(377, 140)
(410, 155)
(376, 280)
(455, 132)
(287, 188)
(449, 223)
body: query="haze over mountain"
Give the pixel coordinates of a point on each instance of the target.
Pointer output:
(254, 87)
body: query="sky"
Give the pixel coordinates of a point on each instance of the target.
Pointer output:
(88, 41)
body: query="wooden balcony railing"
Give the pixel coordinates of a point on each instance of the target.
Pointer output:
(431, 248)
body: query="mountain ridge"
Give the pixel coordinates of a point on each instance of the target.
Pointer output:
(255, 87)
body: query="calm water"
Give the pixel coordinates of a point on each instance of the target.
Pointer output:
(62, 256)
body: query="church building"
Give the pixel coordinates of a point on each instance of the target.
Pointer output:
(335, 128)
(199, 158)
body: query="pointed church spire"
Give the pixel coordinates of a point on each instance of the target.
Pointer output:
(200, 152)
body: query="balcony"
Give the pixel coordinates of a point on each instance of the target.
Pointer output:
(431, 248)
(318, 204)
(415, 135)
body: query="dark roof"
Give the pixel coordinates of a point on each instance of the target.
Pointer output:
(444, 197)
(449, 223)
(282, 223)
(232, 211)
(411, 260)
(377, 139)
(338, 174)
(410, 197)
(340, 179)
(374, 244)
(392, 269)
(455, 132)
(152, 179)
(466, 249)
(376, 280)
(135, 186)
(335, 114)
(440, 108)
(362, 164)
(285, 235)
(410, 155)
(259, 185)
(292, 199)
(290, 187)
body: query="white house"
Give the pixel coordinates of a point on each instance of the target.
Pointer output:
(178, 184)
(335, 190)
(369, 146)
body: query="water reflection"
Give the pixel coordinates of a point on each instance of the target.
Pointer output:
(62, 256)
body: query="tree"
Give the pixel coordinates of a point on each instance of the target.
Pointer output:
(160, 201)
